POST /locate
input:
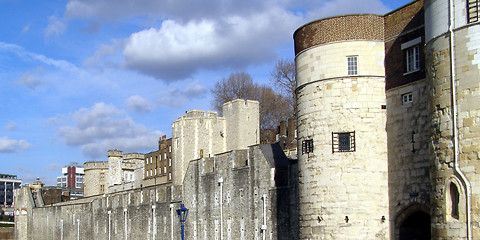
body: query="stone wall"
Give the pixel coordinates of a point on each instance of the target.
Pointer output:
(342, 194)
(149, 213)
(93, 179)
(197, 134)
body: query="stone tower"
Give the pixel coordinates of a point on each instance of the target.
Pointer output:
(242, 117)
(452, 37)
(197, 134)
(115, 158)
(341, 118)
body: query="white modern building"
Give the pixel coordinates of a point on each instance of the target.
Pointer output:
(72, 180)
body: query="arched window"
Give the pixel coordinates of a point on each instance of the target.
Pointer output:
(454, 198)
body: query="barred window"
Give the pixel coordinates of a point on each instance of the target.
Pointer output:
(307, 146)
(472, 12)
(343, 141)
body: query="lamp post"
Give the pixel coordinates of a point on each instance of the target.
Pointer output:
(182, 213)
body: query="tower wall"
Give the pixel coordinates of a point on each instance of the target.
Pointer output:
(342, 194)
(93, 179)
(195, 135)
(115, 158)
(243, 123)
(446, 172)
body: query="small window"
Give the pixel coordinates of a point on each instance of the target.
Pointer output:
(407, 98)
(413, 59)
(102, 176)
(472, 12)
(343, 142)
(102, 188)
(169, 176)
(454, 197)
(352, 65)
(307, 146)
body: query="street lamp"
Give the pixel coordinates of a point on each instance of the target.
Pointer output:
(182, 213)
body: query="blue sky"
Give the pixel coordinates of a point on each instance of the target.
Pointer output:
(79, 77)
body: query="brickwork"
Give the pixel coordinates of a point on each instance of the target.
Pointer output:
(341, 28)
(401, 26)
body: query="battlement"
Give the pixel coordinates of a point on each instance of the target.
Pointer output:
(129, 166)
(115, 153)
(95, 165)
(198, 114)
(240, 103)
(133, 156)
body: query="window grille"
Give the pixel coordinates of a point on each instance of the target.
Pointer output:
(472, 12)
(307, 146)
(343, 141)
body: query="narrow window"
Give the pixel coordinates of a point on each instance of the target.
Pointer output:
(413, 59)
(454, 198)
(472, 12)
(102, 188)
(352, 65)
(343, 142)
(307, 146)
(407, 98)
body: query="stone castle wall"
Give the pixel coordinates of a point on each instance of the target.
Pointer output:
(197, 134)
(150, 213)
(447, 172)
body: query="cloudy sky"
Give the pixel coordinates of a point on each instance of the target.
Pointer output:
(80, 77)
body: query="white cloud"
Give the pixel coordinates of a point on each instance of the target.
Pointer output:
(11, 126)
(29, 80)
(55, 27)
(177, 50)
(8, 145)
(195, 90)
(176, 97)
(22, 53)
(138, 104)
(104, 127)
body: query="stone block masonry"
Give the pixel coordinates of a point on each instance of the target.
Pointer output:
(236, 198)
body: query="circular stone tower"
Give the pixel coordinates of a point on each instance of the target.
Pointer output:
(341, 120)
(452, 55)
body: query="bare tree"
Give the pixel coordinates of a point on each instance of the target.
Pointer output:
(273, 107)
(238, 85)
(283, 78)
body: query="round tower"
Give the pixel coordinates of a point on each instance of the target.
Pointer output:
(341, 118)
(452, 55)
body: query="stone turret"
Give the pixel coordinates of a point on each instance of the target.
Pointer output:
(341, 128)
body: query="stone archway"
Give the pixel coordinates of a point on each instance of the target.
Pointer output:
(415, 226)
